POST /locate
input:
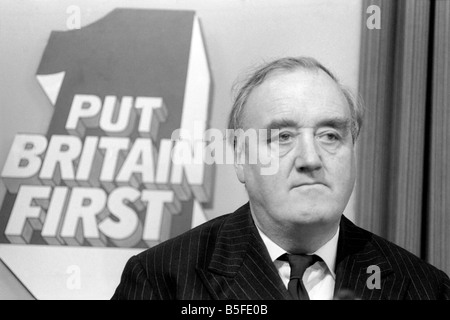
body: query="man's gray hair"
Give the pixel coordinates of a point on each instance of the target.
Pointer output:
(244, 88)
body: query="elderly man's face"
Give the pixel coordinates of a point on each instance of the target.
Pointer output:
(316, 171)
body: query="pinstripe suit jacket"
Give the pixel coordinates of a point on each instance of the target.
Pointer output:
(225, 258)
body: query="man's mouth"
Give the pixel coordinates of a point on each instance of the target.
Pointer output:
(309, 185)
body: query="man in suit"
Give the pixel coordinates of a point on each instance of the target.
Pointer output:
(291, 240)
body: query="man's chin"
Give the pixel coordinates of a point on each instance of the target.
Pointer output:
(313, 193)
(314, 216)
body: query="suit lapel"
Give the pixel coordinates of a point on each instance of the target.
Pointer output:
(360, 264)
(240, 266)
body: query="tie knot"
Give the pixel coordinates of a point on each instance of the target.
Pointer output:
(299, 263)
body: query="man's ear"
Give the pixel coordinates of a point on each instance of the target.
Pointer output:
(239, 168)
(239, 162)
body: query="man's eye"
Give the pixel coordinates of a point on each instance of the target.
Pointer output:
(329, 137)
(332, 136)
(285, 136)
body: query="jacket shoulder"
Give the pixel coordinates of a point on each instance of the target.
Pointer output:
(170, 270)
(190, 243)
(164, 270)
(425, 279)
(402, 260)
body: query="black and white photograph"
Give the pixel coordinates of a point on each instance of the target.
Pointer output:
(224, 150)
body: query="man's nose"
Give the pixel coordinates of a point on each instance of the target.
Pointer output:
(307, 158)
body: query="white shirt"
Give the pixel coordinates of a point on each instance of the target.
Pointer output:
(319, 279)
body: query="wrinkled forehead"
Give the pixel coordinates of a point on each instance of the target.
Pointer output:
(307, 95)
(308, 82)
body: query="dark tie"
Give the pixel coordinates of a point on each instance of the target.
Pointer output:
(298, 263)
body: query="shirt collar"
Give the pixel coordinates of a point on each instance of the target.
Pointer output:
(327, 252)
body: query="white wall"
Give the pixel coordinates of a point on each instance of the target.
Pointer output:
(238, 34)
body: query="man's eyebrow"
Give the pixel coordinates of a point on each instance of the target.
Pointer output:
(281, 123)
(337, 123)
(342, 124)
